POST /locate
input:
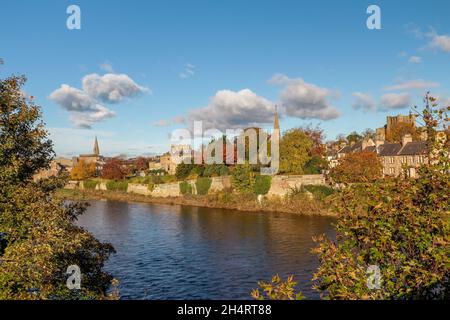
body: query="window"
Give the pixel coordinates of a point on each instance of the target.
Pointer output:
(392, 170)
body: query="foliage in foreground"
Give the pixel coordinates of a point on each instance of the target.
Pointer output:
(399, 225)
(39, 237)
(277, 289)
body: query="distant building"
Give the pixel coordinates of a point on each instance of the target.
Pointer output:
(404, 157)
(93, 157)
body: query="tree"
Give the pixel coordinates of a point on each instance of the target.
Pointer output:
(39, 237)
(295, 148)
(141, 164)
(369, 134)
(354, 137)
(399, 129)
(243, 178)
(83, 170)
(316, 135)
(398, 225)
(183, 170)
(357, 167)
(114, 169)
(315, 165)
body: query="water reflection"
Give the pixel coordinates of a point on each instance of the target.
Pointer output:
(175, 252)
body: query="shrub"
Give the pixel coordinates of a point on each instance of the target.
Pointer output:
(183, 170)
(150, 186)
(223, 170)
(185, 188)
(113, 185)
(262, 184)
(243, 178)
(319, 192)
(203, 185)
(90, 184)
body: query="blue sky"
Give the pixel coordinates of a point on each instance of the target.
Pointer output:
(224, 62)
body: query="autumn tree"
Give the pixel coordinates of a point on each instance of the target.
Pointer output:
(357, 167)
(295, 149)
(399, 226)
(399, 129)
(114, 169)
(83, 170)
(141, 164)
(39, 237)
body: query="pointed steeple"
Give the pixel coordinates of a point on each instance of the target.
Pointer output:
(276, 123)
(96, 148)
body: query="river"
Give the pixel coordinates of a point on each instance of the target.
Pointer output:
(179, 252)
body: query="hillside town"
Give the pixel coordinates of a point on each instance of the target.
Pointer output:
(400, 145)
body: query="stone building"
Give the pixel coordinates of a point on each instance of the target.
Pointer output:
(93, 157)
(404, 157)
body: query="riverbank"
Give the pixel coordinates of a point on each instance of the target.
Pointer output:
(297, 204)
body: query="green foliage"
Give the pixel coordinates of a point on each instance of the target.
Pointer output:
(38, 234)
(295, 150)
(315, 165)
(183, 170)
(277, 289)
(243, 178)
(319, 192)
(90, 184)
(214, 170)
(113, 185)
(262, 184)
(203, 184)
(185, 188)
(400, 225)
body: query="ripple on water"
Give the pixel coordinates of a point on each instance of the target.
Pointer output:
(174, 252)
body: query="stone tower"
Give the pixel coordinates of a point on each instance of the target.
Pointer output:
(96, 148)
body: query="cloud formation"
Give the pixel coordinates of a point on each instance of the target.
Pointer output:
(229, 109)
(439, 42)
(392, 101)
(304, 100)
(415, 59)
(187, 72)
(85, 106)
(363, 101)
(418, 84)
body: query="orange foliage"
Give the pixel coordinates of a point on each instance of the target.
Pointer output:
(83, 170)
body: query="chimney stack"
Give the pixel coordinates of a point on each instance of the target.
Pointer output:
(406, 139)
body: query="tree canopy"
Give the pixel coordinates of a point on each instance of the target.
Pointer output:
(40, 240)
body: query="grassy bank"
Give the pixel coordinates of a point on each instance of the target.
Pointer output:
(297, 203)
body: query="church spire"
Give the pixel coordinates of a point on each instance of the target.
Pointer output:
(96, 148)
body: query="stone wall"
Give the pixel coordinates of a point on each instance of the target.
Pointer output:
(281, 185)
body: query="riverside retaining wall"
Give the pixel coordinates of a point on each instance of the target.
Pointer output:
(281, 185)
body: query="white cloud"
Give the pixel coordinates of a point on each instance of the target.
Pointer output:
(166, 123)
(415, 59)
(234, 109)
(85, 106)
(304, 100)
(418, 84)
(395, 101)
(363, 101)
(111, 87)
(440, 42)
(187, 72)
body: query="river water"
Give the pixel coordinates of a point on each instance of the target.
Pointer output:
(178, 252)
